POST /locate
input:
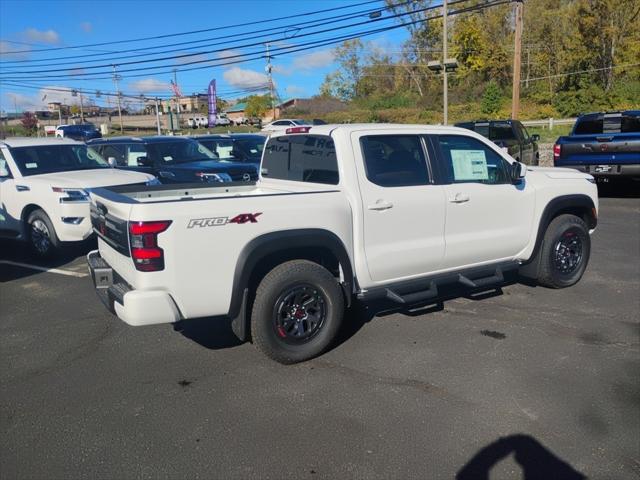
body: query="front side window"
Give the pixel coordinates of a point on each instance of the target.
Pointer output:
(174, 152)
(222, 147)
(394, 160)
(41, 159)
(301, 158)
(469, 160)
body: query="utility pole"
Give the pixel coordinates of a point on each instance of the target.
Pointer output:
(268, 69)
(445, 85)
(517, 59)
(117, 77)
(175, 82)
(158, 116)
(81, 109)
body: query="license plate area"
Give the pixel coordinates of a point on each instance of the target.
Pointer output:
(103, 277)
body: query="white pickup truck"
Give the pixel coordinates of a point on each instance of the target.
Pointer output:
(406, 213)
(43, 190)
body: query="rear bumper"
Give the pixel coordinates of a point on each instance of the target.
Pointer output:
(135, 307)
(608, 170)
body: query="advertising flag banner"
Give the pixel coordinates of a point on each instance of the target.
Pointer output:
(212, 103)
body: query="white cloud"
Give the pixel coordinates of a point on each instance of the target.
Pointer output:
(22, 102)
(192, 57)
(241, 78)
(86, 27)
(319, 59)
(38, 101)
(282, 70)
(41, 36)
(8, 47)
(149, 85)
(228, 54)
(294, 90)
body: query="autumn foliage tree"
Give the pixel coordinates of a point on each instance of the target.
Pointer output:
(29, 122)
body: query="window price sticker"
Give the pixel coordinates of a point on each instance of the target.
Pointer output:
(469, 165)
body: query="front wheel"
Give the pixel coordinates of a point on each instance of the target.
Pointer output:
(42, 236)
(565, 252)
(297, 312)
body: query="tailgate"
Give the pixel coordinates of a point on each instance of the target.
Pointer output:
(588, 149)
(109, 222)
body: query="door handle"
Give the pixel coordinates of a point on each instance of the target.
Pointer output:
(166, 174)
(380, 205)
(460, 198)
(22, 188)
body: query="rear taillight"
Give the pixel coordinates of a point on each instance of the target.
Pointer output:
(557, 151)
(143, 239)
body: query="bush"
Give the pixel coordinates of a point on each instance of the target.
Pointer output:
(491, 99)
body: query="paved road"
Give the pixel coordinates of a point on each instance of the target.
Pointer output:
(550, 376)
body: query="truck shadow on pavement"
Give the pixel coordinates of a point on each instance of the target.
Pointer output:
(536, 461)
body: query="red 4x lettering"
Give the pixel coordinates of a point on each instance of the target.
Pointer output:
(246, 217)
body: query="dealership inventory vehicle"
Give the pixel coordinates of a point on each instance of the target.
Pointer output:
(511, 135)
(237, 147)
(172, 159)
(606, 145)
(283, 124)
(43, 190)
(340, 212)
(82, 132)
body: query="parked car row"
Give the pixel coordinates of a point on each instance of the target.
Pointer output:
(44, 182)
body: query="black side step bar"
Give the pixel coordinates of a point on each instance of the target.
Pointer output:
(431, 292)
(416, 291)
(497, 277)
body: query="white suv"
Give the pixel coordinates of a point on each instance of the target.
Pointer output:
(43, 190)
(283, 124)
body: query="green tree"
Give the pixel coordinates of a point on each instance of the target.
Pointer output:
(257, 105)
(343, 83)
(492, 99)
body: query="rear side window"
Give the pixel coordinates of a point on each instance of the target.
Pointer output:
(301, 158)
(394, 160)
(588, 126)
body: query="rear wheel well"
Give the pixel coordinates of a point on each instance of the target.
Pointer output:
(320, 255)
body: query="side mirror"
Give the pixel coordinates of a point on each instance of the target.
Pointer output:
(112, 162)
(535, 137)
(518, 171)
(143, 161)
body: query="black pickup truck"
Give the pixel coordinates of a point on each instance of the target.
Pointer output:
(510, 135)
(605, 145)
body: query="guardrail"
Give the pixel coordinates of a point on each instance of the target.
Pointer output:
(549, 122)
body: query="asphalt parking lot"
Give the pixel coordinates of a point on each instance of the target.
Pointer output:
(522, 381)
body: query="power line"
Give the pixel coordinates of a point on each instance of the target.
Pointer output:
(217, 50)
(284, 50)
(284, 29)
(583, 71)
(168, 35)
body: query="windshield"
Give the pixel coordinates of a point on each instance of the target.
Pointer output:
(174, 152)
(40, 159)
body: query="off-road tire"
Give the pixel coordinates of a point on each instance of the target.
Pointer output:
(267, 331)
(562, 229)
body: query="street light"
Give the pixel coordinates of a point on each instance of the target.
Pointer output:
(449, 65)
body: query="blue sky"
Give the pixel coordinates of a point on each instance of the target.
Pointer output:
(28, 25)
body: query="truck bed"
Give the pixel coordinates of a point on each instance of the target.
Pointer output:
(134, 194)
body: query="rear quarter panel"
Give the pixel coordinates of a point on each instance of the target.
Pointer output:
(201, 256)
